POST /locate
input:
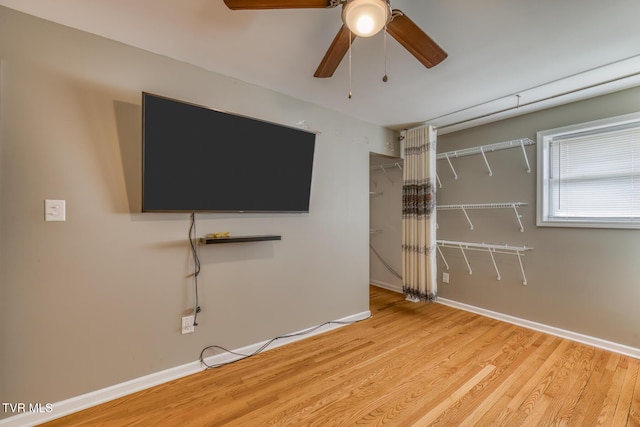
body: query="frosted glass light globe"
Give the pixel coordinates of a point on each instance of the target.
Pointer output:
(365, 18)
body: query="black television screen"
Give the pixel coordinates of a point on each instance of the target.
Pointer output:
(196, 159)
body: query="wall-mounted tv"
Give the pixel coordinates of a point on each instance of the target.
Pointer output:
(197, 159)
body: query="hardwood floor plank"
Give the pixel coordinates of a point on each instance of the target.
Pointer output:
(610, 401)
(596, 389)
(491, 404)
(532, 390)
(569, 385)
(623, 408)
(410, 364)
(634, 411)
(518, 343)
(437, 411)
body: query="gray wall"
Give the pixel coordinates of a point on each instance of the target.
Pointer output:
(579, 279)
(97, 300)
(385, 217)
(582, 280)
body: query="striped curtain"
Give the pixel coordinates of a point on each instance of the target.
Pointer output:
(419, 215)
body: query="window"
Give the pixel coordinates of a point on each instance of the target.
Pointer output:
(589, 174)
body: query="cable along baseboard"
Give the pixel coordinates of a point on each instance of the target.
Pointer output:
(484, 247)
(469, 206)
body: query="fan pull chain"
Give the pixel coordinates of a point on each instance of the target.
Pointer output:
(350, 41)
(385, 78)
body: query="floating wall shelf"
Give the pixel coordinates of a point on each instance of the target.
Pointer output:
(239, 239)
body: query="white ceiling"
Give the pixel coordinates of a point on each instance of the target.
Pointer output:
(497, 49)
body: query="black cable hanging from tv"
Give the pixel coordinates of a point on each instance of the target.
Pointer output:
(196, 266)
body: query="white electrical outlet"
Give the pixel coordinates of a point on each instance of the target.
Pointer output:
(55, 210)
(187, 325)
(445, 277)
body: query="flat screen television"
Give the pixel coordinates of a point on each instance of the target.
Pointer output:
(197, 159)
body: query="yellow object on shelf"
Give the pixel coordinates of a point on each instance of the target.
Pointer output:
(218, 235)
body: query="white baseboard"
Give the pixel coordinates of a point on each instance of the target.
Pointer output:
(551, 330)
(78, 403)
(388, 286)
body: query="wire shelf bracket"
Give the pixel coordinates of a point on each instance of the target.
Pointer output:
(483, 149)
(484, 247)
(384, 168)
(465, 207)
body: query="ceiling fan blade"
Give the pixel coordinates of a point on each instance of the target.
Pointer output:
(276, 4)
(416, 41)
(335, 53)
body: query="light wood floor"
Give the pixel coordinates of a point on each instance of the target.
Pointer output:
(410, 364)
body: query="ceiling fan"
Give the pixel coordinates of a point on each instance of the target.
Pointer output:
(362, 18)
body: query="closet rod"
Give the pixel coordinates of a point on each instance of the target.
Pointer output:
(537, 101)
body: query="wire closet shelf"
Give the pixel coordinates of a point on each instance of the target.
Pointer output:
(481, 149)
(484, 247)
(465, 207)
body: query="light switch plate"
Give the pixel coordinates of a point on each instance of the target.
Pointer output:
(55, 210)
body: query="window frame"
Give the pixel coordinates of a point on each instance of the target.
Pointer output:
(543, 218)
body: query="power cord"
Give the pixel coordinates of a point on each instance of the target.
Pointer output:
(385, 263)
(196, 265)
(264, 346)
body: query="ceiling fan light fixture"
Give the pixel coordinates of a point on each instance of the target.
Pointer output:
(366, 18)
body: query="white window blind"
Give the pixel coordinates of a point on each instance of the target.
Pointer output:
(592, 175)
